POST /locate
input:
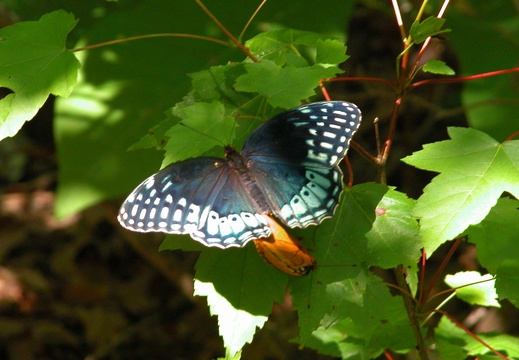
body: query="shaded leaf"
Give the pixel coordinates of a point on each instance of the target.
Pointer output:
(341, 253)
(434, 66)
(394, 238)
(282, 87)
(203, 126)
(429, 27)
(496, 243)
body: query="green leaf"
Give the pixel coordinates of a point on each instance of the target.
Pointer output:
(282, 87)
(180, 242)
(474, 171)
(330, 53)
(87, 175)
(450, 337)
(429, 27)
(500, 254)
(237, 327)
(156, 136)
(507, 281)
(285, 45)
(341, 252)
(437, 67)
(34, 63)
(236, 273)
(490, 28)
(394, 238)
(203, 126)
(379, 322)
(480, 290)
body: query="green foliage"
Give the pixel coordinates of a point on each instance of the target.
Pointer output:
(474, 288)
(429, 27)
(34, 63)
(474, 171)
(496, 241)
(454, 343)
(237, 326)
(344, 309)
(485, 42)
(434, 66)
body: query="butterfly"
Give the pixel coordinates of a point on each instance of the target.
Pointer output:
(287, 168)
(284, 251)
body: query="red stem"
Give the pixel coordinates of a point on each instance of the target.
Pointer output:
(440, 269)
(384, 81)
(474, 336)
(465, 78)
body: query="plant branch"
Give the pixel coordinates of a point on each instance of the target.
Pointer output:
(399, 21)
(474, 336)
(236, 42)
(147, 36)
(412, 313)
(363, 152)
(465, 78)
(391, 131)
(440, 269)
(250, 20)
(426, 42)
(383, 81)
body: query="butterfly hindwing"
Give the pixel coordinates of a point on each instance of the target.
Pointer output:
(299, 196)
(201, 197)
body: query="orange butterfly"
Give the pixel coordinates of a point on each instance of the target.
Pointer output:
(285, 252)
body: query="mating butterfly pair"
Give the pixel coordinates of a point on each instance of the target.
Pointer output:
(287, 168)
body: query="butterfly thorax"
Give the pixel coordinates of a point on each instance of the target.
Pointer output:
(237, 161)
(240, 164)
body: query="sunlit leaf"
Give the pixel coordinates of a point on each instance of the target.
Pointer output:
(474, 171)
(34, 63)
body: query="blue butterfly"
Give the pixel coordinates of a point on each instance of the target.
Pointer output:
(288, 168)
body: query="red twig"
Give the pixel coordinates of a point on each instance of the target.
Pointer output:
(472, 335)
(512, 136)
(384, 81)
(441, 268)
(465, 78)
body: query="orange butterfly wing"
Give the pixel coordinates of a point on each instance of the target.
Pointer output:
(285, 252)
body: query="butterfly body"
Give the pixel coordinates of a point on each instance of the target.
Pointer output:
(287, 168)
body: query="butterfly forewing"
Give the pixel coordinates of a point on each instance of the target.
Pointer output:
(201, 197)
(313, 135)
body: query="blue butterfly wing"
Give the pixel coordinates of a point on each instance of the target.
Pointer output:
(288, 167)
(312, 135)
(294, 156)
(299, 196)
(201, 197)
